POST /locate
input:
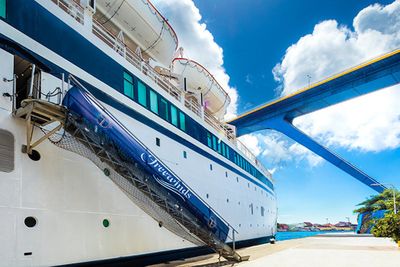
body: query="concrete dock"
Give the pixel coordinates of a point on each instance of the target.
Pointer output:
(334, 250)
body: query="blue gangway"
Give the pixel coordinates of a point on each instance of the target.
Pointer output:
(110, 133)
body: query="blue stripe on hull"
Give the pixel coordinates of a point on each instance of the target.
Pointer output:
(91, 59)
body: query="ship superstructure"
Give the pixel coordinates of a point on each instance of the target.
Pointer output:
(114, 145)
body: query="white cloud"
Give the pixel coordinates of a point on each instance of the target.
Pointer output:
(277, 151)
(368, 123)
(198, 42)
(251, 142)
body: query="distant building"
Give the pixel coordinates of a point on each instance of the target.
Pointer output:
(282, 227)
(308, 224)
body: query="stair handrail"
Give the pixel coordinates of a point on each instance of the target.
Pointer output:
(78, 83)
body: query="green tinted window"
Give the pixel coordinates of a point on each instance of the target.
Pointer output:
(214, 142)
(128, 85)
(142, 96)
(174, 116)
(182, 121)
(164, 109)
(3, 8)
(223, 149)
(153, 102)
(209, 142)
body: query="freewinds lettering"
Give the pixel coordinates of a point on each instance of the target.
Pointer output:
(172, 181)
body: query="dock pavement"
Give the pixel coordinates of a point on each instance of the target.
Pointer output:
(330, 250)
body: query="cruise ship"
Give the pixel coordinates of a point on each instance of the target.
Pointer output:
(113, 145)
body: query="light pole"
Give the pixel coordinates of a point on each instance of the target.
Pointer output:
(394, 195)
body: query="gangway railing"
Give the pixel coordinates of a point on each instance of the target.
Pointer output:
(210, 238)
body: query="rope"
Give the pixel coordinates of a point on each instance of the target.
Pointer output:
(116, 11)
(156, 41)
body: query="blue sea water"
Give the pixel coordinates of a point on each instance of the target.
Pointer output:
(293, 235)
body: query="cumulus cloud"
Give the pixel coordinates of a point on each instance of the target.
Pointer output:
(198, 42)
(277, 151)
(368, 123)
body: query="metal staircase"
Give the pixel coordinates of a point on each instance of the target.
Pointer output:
(40, 113)
(134, 180)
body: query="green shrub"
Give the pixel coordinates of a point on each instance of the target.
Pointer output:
(389, 226)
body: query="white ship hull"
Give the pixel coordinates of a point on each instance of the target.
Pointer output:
(70, 197)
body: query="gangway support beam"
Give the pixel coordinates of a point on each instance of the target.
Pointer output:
(370, 76)
(288, 129)
(40, 113)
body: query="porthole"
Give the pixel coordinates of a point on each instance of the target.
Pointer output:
(227, 200)
(207, 195)
(106, 172)
(184, 154)
(30, 221)
(210, 167)
(237, 179)
(226, 174)
(106, 223)
(35, 155)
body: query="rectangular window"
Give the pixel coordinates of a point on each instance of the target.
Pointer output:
(223, 149)
(219, 146)
(142, 94)
(214, 142)
(128, 85)
(209, 141)
(164, 109)
(182, 121)
(174, 116)
(3, 9)
(153, 101)
(227, 152)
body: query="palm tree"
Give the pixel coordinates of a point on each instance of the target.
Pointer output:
(383, 201)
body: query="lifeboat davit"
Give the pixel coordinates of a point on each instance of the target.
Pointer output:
(200, 80)
(144, 24)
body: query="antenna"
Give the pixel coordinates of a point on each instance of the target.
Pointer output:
(309, 79)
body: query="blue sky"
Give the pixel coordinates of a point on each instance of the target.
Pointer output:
(243, 41)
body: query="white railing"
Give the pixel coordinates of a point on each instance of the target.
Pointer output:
(72, 8)
(111, 40)
(252, 158)
(193, 106)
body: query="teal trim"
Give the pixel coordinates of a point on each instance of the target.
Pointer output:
(3, 9)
